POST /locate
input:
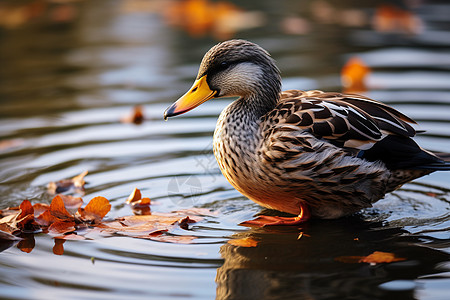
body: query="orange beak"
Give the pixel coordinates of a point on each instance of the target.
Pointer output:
(197, 94)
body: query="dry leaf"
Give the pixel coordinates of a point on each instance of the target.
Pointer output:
(61, 227)
(245, 242)
(134, 196)
(40, 208)
(353, 75)
(58, 210)
(96, 209)
(76, 183)
(377, 257)
(46, 218)
(71, 203)
(136, 116)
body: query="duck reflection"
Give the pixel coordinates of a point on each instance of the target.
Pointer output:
(300, 263)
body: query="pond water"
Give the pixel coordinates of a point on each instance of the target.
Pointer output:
(71, 70)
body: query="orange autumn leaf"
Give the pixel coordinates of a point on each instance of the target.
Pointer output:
(96, 209)
(61, 227)
(40, 208)
(379, 257)
(25, 219)
(71, 203)
(353, 75)
(58, 210)
(25, 209)
(46, 218)
(134, 196)
(244, 242)
(136, 116)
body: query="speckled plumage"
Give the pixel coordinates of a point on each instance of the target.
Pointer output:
(334, 153)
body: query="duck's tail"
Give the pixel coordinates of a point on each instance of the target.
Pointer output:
(442, 165)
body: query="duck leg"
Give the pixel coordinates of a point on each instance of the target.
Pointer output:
(262, 221)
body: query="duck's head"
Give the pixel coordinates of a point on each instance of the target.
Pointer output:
(229, 69)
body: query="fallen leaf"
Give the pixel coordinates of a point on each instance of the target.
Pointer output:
(198, 212)
(353, 75)
(46, 218)
(58, 210)
(76, 183)
(244, 242)
(71, 203)
(70, 236)
(136, 116)
(134, 196)
(40, 208)
(61, 227)
(184, 222)
(377, 257)
(96, 209)
(176, 239)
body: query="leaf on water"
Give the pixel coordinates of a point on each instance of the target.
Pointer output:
(76, 183)
(96, 209)
(134, 196)
(198, 212)
(40, 208)
(377, 257)
(71, 203)
(46, 218)
(58, 210)
(140, 206)
(184, 222)
(136, 116)
(176, 239)
(70, 236)
(244, 242)
(354, 74)
(61, 227)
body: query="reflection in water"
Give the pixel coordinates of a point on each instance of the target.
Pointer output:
(282, 266)
(71, 69)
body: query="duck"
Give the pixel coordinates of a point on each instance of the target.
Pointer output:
(310, 153)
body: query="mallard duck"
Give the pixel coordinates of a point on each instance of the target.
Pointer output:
(307, 153)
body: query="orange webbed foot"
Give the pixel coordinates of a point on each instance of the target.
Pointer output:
(262, 221)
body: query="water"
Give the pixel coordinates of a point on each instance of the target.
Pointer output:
(69, 72)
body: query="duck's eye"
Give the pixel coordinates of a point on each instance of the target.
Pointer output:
(224, 65)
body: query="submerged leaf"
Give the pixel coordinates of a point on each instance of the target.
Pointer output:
(244, 242)
(377, 257)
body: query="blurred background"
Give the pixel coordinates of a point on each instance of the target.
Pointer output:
(73, 76)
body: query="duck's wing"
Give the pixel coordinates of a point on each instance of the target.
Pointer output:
(361, 126)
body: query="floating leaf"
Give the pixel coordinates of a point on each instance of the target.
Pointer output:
(61, 227)
(58, 210)
(353, 75)
(40, 208)
(136, 116)
(96, 209)
(244, 242)
(134, 196)
(71, 203)
(377, 257)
